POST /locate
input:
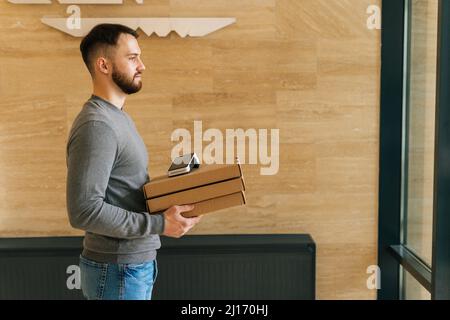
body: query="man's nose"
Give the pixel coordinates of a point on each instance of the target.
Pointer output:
(141, 66)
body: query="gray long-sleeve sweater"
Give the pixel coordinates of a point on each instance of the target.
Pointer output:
(107, 167)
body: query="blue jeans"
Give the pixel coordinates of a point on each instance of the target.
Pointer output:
(107, 281)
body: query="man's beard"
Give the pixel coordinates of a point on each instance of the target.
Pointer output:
(126, 84)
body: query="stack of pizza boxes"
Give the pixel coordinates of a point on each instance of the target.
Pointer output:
(209, 188)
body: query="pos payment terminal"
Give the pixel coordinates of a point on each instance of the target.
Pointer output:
(183, 164)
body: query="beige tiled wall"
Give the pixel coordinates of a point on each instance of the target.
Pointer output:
(307, 67)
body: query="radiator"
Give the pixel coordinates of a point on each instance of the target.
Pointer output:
(197, 267)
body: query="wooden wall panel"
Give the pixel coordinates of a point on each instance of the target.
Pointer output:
(307, 67)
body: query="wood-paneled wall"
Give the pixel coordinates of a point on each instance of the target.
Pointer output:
(307, 67)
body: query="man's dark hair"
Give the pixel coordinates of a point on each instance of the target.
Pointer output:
(101, 37)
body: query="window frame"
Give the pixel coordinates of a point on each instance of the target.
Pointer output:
(392, 253)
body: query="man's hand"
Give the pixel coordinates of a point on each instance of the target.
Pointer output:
(175, 224)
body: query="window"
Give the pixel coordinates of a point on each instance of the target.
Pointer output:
(414, 184)
(419, 127)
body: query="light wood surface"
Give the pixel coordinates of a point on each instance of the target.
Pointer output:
(307, 67)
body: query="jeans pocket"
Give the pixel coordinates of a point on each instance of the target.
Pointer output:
(141, 271)
(93, 278)
(138, 281)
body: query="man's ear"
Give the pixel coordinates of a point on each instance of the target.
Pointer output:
(103, 65)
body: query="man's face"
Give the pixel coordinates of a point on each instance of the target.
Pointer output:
(127, 66)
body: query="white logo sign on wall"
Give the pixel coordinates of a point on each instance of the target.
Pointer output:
(77, 26)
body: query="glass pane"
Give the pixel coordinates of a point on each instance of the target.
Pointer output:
(421, 127)
(413, 290)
